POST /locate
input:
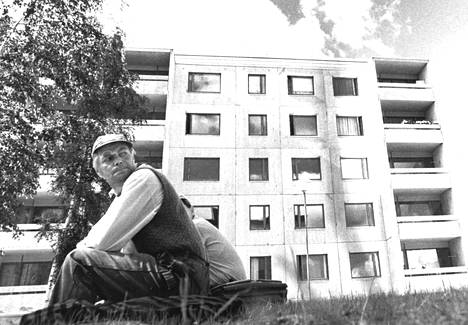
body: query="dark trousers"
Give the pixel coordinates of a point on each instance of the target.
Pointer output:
(92, 275)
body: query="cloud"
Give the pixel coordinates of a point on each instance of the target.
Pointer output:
(270, 28)
(358, 28)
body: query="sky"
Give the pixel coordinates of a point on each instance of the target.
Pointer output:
(427, 29)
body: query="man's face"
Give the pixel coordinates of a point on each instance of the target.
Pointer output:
(115, 162)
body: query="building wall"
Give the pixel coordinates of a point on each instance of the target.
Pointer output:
(234, 192)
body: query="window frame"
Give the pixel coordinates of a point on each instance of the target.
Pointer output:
(186, 174)
(191, 81)
(262, 83)
(335, 86)
(370, 219)
(359, 123)
(364, 168)
(267, 264)
(189, 123)
(376, 267)
(266, 217)
(263, 126)
(301, 269)
(300, 223)
(214, 211)
(296, 178)
(291, 90)
(292, 128)
(264, 166)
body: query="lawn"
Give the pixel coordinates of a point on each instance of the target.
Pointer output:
(445, 307)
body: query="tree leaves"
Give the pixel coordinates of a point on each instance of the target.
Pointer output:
(63, 82)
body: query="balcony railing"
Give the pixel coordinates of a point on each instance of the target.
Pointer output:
(443, 227)
(436, 271)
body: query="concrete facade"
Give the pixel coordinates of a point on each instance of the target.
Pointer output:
(414, 241)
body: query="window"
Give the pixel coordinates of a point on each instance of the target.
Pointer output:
(306, 169)
(349, 125)
(354, 168)
(359, 214)
(315, 216)
(303, 125)
(258, 169)
(411, 162)
(364, 265)
(259, 217)
(24, 273)
(40, 214)
(345, 86)
(204, 82)
(202, 124)
(300, 85)
(427, 258)
(318, 267)
(208, 212)
(419, 208)
(403, 119)
(258, 125)
(151, 160)
(201, 169)
(148, 153)
(260, 268)
(257, 84)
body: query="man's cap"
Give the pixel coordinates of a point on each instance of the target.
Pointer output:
(106, 139)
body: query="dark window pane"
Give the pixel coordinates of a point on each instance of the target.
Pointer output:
(359, 214)
(306, 168)
(364, 265)
(259, 217)
(349, 125)
(345, 87)
(204, 82)
(260, 268)
(201, 169)
(303, 125)
(258, 169)
(300, 85)
(257, 84)
(208, 212)
(419, 208)
(257, 125)
(318, 267)
(203, 124)
(411, 162)
(315, 216)
(24, 273)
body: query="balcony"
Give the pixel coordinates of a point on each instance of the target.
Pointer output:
(152, 130)
(420, 180)
(401, 137)
(436, 278)
(418, 93)
(440, 227)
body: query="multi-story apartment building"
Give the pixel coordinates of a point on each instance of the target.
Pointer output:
(256, 142)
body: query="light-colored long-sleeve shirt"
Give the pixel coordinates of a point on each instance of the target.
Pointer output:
(225, 263)
(140, 199)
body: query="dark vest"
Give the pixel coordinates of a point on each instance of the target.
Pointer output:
(171, 230)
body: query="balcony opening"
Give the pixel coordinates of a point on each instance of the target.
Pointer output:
(408, 112)
(432, 257)
(423, 204)
(401, 71)
(149, 152)
(152, 68)
(415, 156)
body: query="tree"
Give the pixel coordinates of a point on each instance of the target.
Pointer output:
(63, 82)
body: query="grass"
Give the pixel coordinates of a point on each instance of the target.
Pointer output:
(446, 307)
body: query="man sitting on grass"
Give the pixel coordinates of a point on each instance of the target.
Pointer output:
(225, 263)
(144, 245)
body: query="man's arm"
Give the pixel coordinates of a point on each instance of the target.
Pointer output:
(141, 198)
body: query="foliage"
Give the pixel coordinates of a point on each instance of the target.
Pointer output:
(63, 82)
